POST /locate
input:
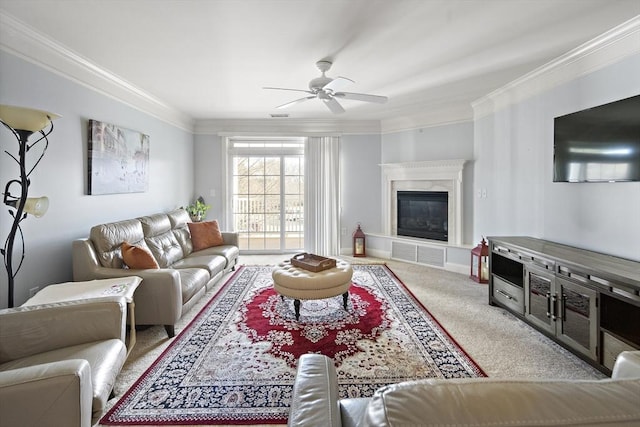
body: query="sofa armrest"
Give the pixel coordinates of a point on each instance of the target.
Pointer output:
(85, 260)
(51, 394)
(158, 298)
(315, 393)
(29, 330)
(230, 238)
(627, 365)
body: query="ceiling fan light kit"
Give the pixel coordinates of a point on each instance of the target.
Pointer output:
(328, 89)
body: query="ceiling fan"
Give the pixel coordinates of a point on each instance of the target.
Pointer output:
(329, 91)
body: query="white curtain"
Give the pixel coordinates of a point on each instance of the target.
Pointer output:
(322, 196)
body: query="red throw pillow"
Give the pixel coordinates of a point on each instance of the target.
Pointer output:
(205, 234)
(137, 258)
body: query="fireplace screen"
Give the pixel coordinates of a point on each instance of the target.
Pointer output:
(423, 214)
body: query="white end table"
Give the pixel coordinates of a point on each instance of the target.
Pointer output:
(71, 291)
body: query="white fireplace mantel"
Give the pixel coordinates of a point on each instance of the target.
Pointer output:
(438, 175)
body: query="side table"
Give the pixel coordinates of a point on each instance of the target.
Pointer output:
(70, 291)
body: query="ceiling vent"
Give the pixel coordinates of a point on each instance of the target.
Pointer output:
(279, 116)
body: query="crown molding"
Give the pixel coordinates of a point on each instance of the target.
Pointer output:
(286, 127)
(616, 44)
(430, 117)
(27, 43)
(21, 40)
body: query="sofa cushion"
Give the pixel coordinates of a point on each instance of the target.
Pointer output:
(484, 402)
(161, 241)
(213, 264)
(107, 240)
(33, 329)
(138, 257)
(205, 234)
(229, 252)
(191, 281)
(165, 248)
(179, 219)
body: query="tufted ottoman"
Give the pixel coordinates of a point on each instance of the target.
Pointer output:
(300, 284)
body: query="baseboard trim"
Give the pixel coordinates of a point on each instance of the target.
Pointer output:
(381, 254)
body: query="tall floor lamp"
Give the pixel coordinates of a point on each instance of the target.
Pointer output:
(23, 122)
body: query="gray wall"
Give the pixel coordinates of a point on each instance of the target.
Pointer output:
(360, 173)
(446, 142)
(514, 159)
(61, 175)
(210, 157)
(360, 186)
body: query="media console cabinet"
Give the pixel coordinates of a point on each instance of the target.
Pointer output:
(586, 301)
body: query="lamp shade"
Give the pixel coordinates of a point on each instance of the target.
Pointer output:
(36, 206)
(20, 118)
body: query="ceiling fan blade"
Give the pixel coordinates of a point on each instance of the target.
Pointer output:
(294, 90)
(337, 84)
(297, 101)
(333, 105)
(361, 97)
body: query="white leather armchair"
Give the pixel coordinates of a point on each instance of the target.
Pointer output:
(59, 361)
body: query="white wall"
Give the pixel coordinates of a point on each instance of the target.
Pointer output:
(446, 142)
(62, 174)
(514, 159)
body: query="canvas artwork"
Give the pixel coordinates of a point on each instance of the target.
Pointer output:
(118, 159)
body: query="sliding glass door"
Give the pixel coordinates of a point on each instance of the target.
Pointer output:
(267, 180)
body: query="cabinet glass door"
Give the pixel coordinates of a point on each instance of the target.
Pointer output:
(540, 300)
(577, 324)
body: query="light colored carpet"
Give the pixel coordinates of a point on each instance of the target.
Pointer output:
(502, 345)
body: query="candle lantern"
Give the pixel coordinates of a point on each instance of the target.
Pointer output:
(480, 262)
(358, 243)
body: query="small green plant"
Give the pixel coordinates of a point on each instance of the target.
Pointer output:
(197, 210)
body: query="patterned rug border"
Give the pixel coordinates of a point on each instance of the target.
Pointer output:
(479, 370)
(133, 388)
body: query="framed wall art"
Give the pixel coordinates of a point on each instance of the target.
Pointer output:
(118, 159)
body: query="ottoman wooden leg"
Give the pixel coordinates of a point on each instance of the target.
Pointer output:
(345, 299)
(296, 305)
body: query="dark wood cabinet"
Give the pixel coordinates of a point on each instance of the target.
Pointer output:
(586, 301)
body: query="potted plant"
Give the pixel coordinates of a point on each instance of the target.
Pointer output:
(197, 210)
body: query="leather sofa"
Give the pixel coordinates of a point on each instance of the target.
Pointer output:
(183, 277)
(469, 402)
(59, 361)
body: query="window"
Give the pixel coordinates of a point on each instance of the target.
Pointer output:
(267, 194)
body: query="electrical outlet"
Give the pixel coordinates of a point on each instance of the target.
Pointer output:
(33, 291)
(344, 231)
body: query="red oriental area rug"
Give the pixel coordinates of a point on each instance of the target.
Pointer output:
(236, 362)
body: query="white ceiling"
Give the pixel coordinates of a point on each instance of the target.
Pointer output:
(210, 59)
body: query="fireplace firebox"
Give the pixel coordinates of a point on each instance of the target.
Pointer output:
(423, 214)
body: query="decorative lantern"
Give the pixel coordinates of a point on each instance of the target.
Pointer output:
(480, 262)
(358, 242)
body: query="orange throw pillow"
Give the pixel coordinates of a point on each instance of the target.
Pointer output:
(137, 258)
(205, 234)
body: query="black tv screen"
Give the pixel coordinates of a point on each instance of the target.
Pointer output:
(600, 144)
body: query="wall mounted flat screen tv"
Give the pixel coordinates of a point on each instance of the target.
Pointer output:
(600, 144)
